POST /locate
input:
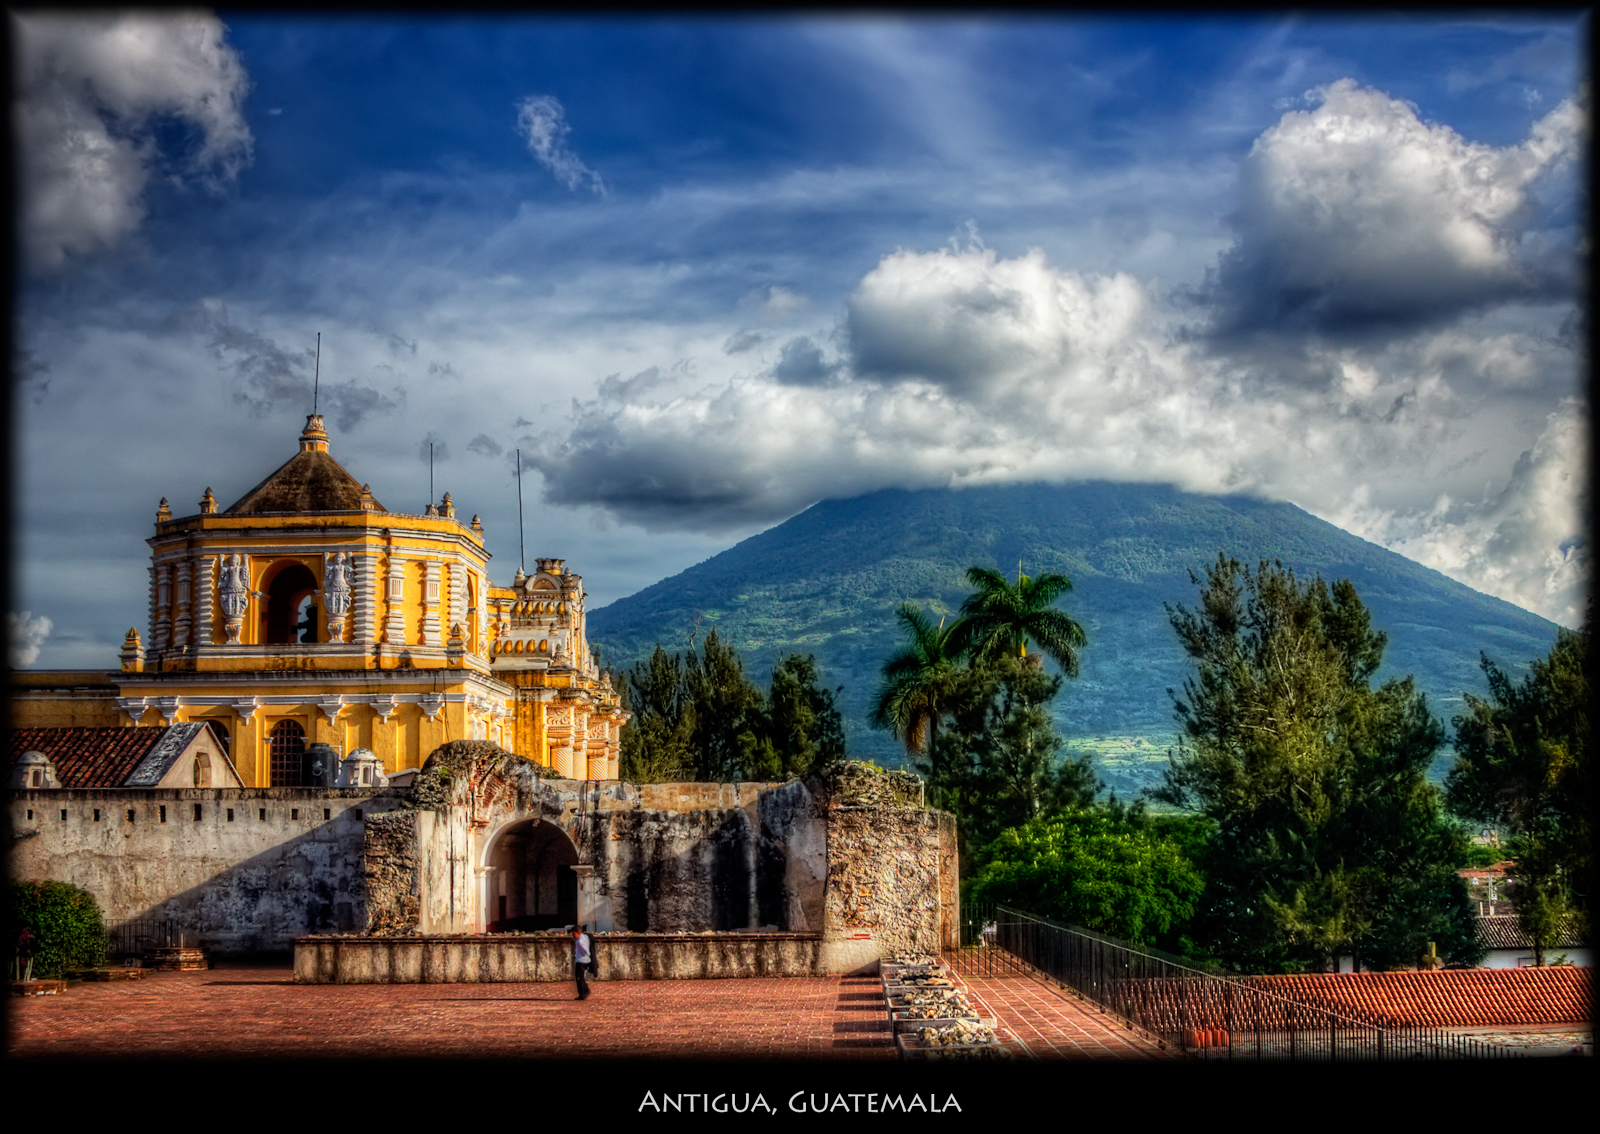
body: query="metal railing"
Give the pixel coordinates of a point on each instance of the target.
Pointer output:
(1203, 1014)
(136, 936)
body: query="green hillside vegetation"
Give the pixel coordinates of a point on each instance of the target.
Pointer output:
(829, 581)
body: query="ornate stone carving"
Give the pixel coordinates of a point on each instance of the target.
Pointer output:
(336, 592)
(234, 594)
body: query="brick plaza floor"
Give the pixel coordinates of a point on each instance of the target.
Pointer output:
(236, 1012)
(1039, 1020)
(244, 1011)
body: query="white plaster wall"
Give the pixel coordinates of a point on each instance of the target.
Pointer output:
(247, 884)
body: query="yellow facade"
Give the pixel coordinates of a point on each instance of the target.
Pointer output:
(308, 602)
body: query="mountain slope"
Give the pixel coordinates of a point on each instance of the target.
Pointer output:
(827, 583)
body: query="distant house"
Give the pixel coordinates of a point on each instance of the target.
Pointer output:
(1509, 947)
(1488, 887)
(187, 755)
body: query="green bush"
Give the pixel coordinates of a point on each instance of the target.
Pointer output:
(64, 923)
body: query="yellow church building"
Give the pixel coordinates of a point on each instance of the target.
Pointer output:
(308, 613)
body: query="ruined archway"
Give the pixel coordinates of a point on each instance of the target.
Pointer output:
(530, 881)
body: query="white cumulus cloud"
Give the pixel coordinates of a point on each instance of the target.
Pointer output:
(1359, 213)
(1528, 543)
(89, 88)
(962, 367)
(26, 635)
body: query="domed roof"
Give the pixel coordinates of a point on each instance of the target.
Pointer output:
(309, 481)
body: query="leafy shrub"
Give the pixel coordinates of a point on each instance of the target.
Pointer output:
(64, 922)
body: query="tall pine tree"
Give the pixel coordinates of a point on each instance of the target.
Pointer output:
(1329, 840)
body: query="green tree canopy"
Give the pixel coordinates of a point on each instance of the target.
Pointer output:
(1096, 869)
(1001, 762)
(804, 725)
(1328, 837)
(63, 923)
(1522, 760)
(699, 717)
(1002, 618)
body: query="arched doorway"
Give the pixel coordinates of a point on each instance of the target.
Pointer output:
(531, 883)
(290, 617)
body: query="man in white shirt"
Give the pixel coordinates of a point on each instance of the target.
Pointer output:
(582, 954)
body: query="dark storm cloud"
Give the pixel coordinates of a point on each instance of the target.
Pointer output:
(743, 341)
(350, 402)
(433, 447)
(665, 479)
(267, 376)
(801, 364)
(31, 376)
(485, 446)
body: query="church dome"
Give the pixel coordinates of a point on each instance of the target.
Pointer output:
(310, 481)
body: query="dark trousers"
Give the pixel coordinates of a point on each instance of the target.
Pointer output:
(577, 975)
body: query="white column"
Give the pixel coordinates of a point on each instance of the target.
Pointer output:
(154, 637)
(431, 582)
(394, 627)
(205, 598)
(181, 605)
(161, 631)
(458, 601)
(364, 568)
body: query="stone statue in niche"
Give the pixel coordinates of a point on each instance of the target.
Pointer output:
(336, 592)
(234, 594)
(336, 584)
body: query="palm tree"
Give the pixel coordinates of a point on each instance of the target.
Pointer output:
(919, 682)
(1001, 618)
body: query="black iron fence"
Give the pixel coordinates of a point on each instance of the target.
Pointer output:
(1204, 1014)
(133, 938)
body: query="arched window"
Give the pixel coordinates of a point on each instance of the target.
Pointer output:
(287, 745)
(202, 769)
(291, 609)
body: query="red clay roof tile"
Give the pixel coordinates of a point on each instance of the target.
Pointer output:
(88, 757)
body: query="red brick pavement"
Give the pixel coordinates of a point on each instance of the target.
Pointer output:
(236, 1012)
(1038, 1019)
(243, 1011)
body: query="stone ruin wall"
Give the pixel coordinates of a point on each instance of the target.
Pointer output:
(852, 856)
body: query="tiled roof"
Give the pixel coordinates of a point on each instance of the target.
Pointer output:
(89, 757)
(307, 482)
(1451, 998)
(1502, 932)
(1498, 870)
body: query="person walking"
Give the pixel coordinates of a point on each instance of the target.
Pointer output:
(582, 957)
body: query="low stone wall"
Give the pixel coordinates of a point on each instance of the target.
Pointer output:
(495, 958)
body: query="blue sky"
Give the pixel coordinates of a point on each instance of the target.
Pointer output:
(705, 272)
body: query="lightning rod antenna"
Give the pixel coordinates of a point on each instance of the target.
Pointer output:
(522, 553)
(316, 380)
(430, 472)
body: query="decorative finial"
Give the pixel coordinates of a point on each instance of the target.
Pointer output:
(447, 508)
(477, 525)
(314, 438)
(164, 512)
(208, 503)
